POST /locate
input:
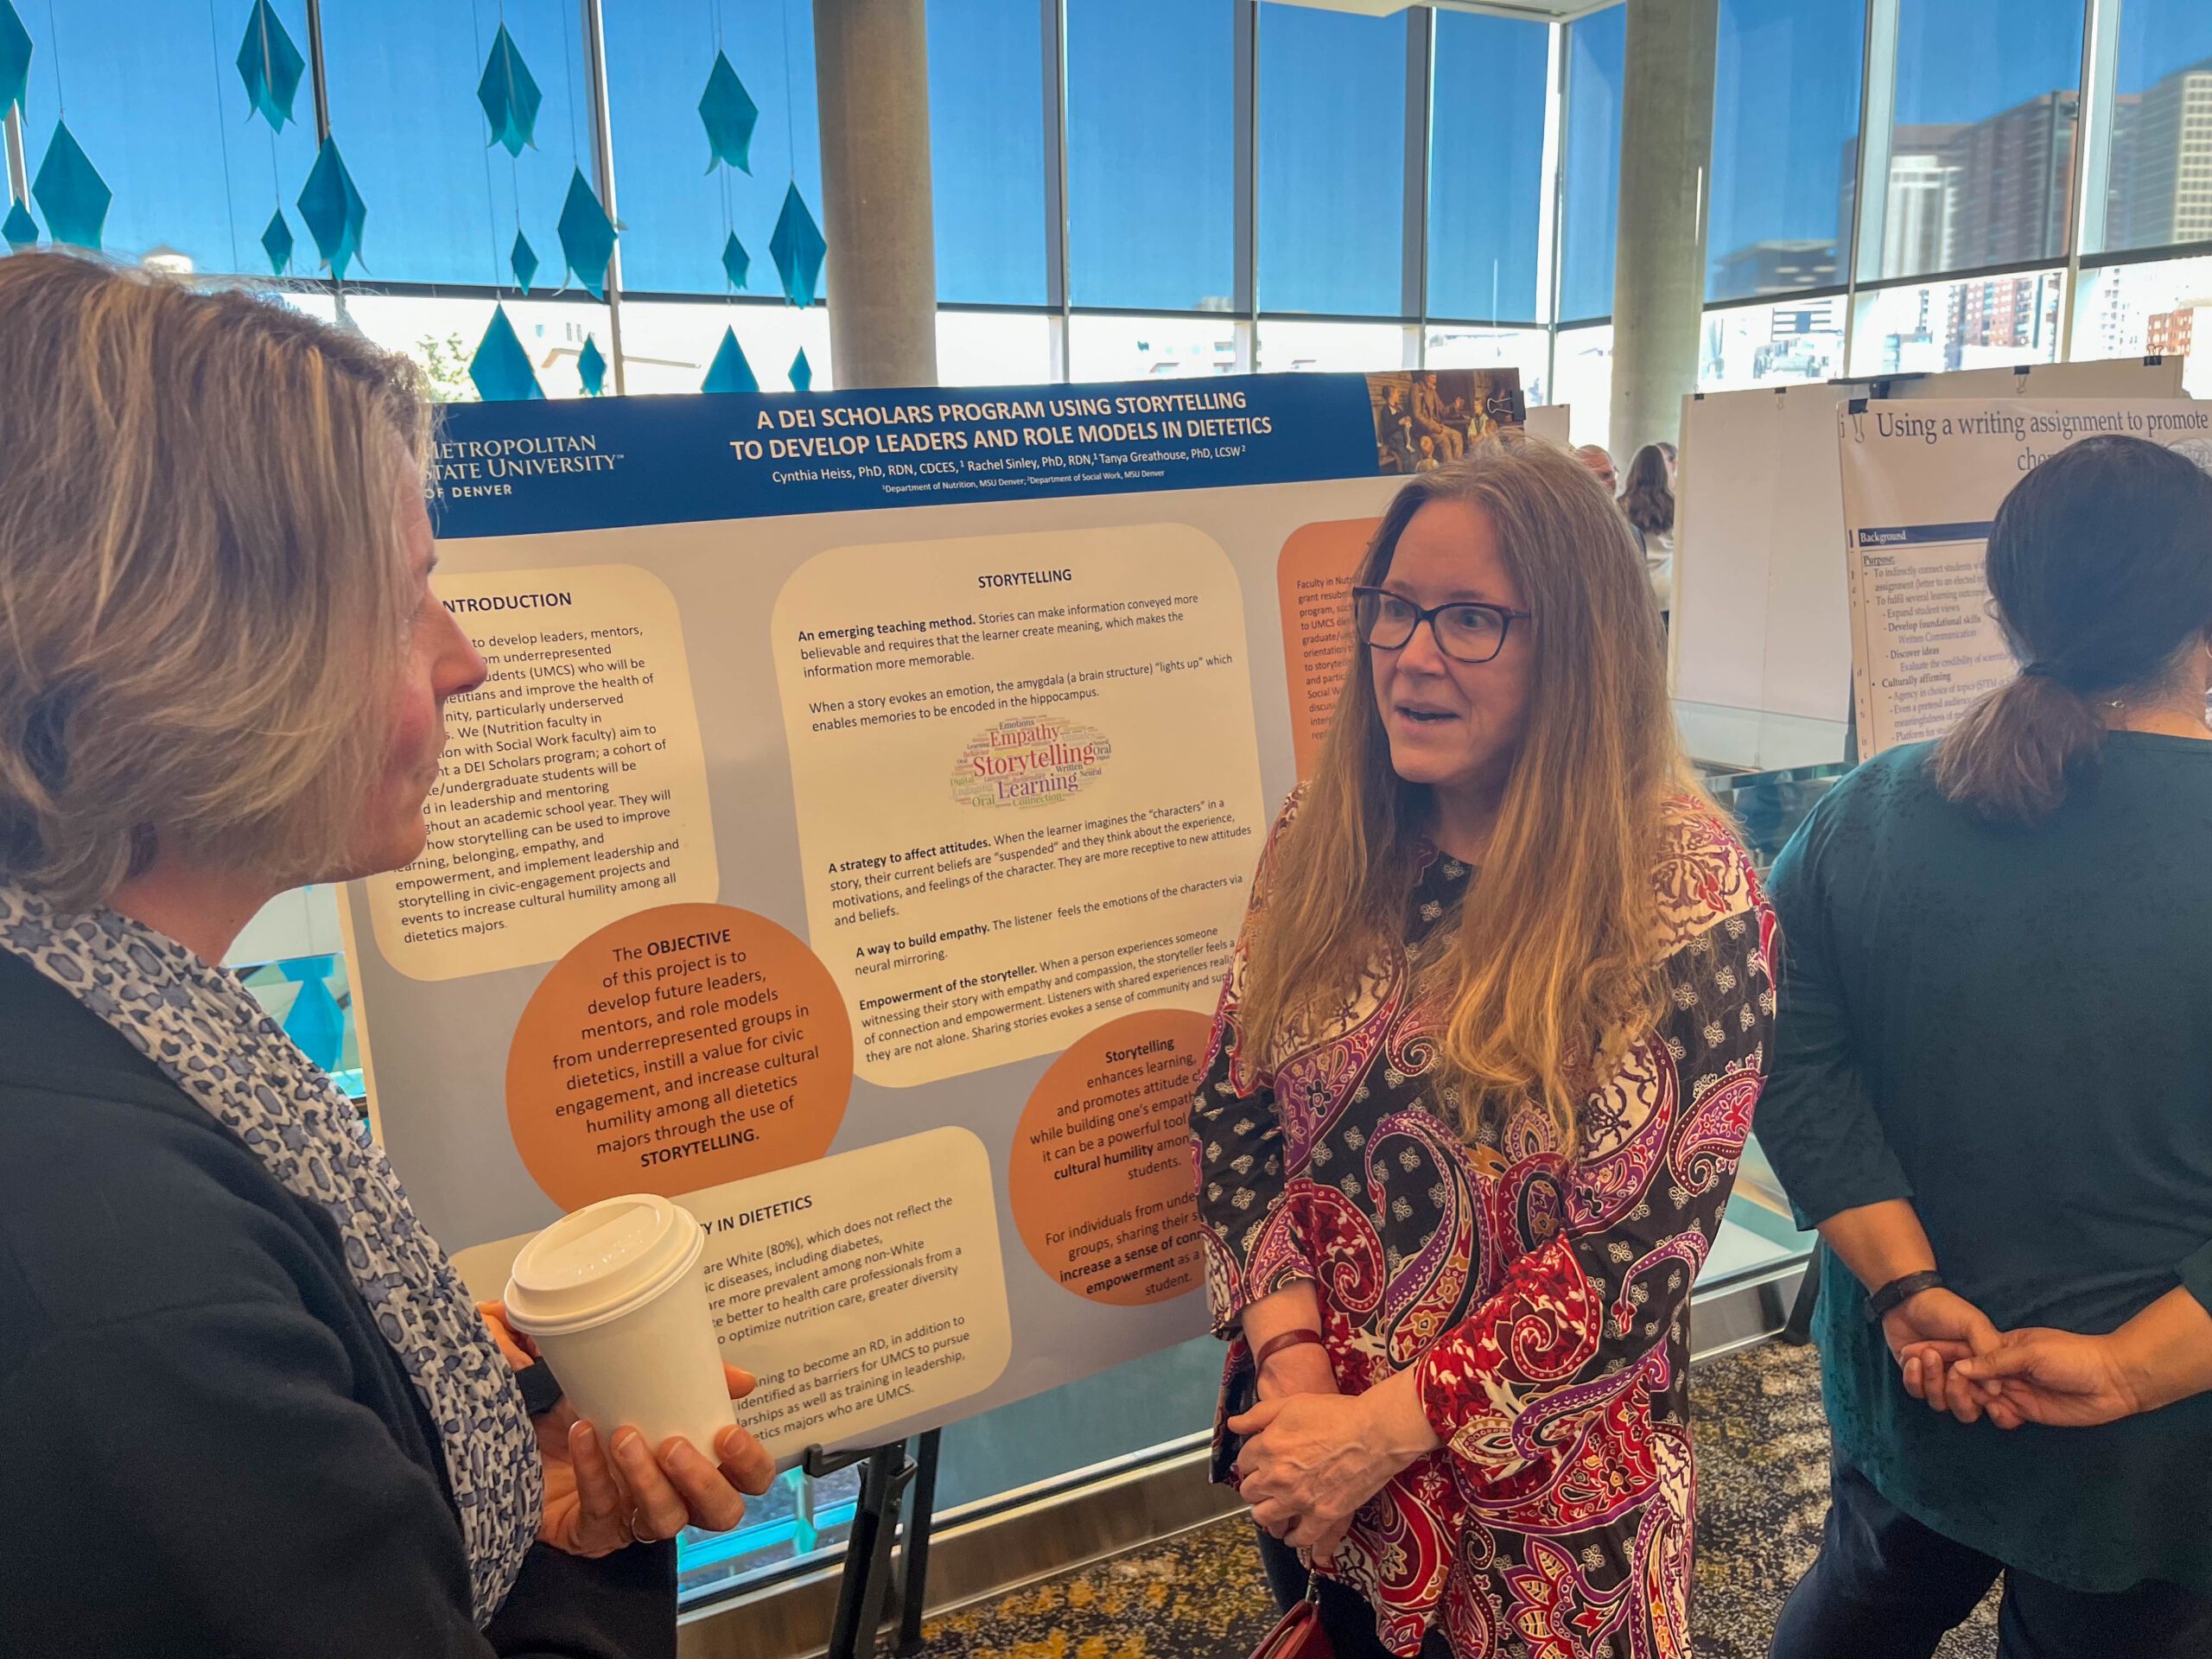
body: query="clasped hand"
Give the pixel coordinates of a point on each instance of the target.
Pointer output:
(601, 1497)
(1312, 1456)
(1954, 1359)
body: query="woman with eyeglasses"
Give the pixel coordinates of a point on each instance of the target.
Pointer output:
(1484, 1062)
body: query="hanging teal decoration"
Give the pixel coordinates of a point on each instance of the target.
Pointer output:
(20, 229)
(316, 1024)
(71, 193)
(735, 262)
(591, 367)
(802, 371)
(798, 247)
(729, 372)
(524, 260)
(509, 95)
(14, 59)
(587, 236)
(729, 114)
(277, 243)
(333, 210)
(269, 65)
(501, 367)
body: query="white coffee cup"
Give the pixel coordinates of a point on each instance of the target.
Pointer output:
(615, 1299)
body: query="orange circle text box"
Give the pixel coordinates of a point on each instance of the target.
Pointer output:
(718, 1048)
(1100, 1176)
(1313, 578)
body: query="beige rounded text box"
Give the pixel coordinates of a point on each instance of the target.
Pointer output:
(573, 790)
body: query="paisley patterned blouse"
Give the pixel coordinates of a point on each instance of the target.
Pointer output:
(1544, 1302)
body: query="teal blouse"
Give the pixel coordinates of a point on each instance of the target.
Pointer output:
(2012, 1029)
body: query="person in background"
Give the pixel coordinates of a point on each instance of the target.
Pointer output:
(1990, 1092)
(1489, 1046)
(1648, 503)
(1673, 463)
(1427, 463)
(1600, 461)
(246, 1406)
(1432, 421)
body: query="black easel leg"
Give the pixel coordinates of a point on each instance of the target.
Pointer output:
(866, 1583)
(914, 1573)
(1799, 1331)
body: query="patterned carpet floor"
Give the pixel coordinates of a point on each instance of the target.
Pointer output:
(1762, 1486)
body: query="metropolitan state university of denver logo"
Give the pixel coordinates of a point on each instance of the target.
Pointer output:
(1029, 760)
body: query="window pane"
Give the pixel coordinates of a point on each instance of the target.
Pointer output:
(1486, 166)
(158, 106)
(1985, 323)
(1785, 128)
(1332, 162)
(1585, 381)
(667, 344)
(1151, 154)
(441, 204)
(1144, 348)
(2161, 189)
(1772, 344)
(1347, 347)
(442, 333)
(1596, 46)
(986, 150)
(2134, 310)
(1525, 349)
(1986, 100)
(676, 215)
(976, 348)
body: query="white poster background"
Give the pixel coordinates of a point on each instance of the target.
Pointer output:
(1922, 480)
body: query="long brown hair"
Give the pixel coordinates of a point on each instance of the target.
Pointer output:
(1647, 498)
(2100, 564)
(1553, 967)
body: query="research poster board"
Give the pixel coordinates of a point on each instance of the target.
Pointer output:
(1921, 482)
(850, 841)
(1761, 617)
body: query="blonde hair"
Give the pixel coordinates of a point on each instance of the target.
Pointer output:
(202, 576)
(1553, 968)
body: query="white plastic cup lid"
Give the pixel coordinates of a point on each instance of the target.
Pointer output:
(601, 1263)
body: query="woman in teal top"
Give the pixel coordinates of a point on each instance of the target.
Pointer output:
(1992, 1092)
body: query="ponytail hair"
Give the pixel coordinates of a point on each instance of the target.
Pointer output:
(2101, 565)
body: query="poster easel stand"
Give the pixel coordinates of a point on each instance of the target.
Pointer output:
(869, 1571)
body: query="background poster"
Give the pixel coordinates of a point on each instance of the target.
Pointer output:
(1921, 482)
(849, 842)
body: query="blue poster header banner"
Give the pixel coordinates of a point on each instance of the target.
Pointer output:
(518, 468)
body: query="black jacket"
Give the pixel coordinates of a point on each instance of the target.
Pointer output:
(206, 1446)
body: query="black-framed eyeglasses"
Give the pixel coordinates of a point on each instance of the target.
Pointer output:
(1466, 632)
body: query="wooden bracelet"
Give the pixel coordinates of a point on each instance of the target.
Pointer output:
(1281, 1340)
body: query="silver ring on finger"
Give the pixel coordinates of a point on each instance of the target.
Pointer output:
(637, 1533)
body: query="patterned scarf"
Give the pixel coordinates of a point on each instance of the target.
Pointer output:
(202, 1026)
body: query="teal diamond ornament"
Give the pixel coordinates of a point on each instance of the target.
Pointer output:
(316, 1023)
(71, 193)
(269, 65)
(501, 367)
(729, 114)
(735, 262)
(14, 58)
(798, 247)
(277, 243)
(20, 228)
(591, 367)
(333, 210)
(524, 260)
(509, 94)
(802, 371)
(587, 236)
(729, 372)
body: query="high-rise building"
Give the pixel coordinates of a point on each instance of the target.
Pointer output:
(2170, 334)
(2012, 175)
(2162, 163)
(1919, 225)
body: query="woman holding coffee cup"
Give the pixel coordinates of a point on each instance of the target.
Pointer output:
(258, 1413)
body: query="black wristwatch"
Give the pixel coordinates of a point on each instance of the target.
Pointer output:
(1898, 1291)
(541, 1389)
